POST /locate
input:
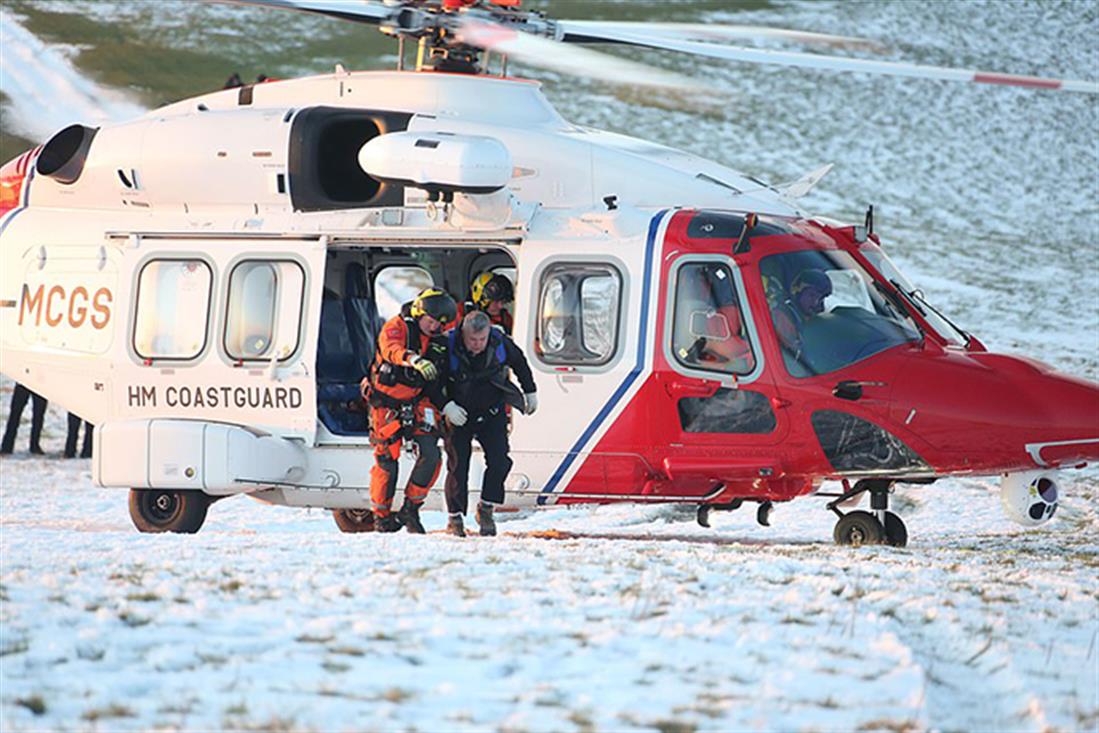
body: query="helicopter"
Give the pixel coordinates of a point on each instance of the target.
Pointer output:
(205, 283)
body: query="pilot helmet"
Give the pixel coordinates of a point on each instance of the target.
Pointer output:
(809, 289)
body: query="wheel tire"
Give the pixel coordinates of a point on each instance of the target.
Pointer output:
(858, 528)
(896, 534)
(354, 520)
(156, 510)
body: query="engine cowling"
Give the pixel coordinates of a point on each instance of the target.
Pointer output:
(1030, 498)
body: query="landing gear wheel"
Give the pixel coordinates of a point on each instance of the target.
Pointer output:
(354, 520)
(155, 510)
(858, 528)
(896, 534)
(763, 514)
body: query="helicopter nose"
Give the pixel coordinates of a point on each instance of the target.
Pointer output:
(1068, 430)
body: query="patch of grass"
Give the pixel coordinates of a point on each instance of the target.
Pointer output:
(34, 703)
(238, 709)
(665, 725)
(334, 667)
(13, 646)
(582, 720)
(143, 597)
(895, 726)
(90, 653)
(795, 621)
(311, 639)
(132, 619)
(231, 586)
(347, 650)
(114, 710)
(396, 695)
(274, 724)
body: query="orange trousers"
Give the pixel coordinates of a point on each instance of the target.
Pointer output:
(386, 434)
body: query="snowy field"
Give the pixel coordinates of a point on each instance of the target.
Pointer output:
(618, 618)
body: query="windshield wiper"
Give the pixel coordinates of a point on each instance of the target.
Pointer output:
(917, 295)
(910, 297)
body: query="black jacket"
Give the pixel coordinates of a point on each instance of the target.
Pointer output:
(480, 382)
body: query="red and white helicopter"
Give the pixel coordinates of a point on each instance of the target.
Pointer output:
(204, 283)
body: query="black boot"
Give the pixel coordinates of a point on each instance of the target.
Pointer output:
(485, 520)
(388, 523)
(410, 517)
(455, 526)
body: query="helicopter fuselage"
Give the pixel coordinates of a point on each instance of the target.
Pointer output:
(204, 284)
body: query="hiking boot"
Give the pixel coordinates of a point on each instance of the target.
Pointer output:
(485, 520)
(387, 523)
(455, 526)
(410, 517)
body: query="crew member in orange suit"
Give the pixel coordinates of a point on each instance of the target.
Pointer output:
(404, 395)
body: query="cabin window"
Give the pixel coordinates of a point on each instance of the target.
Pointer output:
(263, 314)
(709, 331)
(173, 308)
(737, 411)
(396, 285)
(578, 314)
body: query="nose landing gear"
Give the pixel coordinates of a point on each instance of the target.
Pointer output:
(875, 527)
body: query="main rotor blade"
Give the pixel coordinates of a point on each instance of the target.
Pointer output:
(593, 31)
(362, 11)
(552, 55)
(837, 63)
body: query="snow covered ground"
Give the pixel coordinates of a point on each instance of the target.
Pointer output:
(617, 618)
(628, 618)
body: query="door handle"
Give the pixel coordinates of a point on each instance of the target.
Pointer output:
(696, 388)
(851, 390)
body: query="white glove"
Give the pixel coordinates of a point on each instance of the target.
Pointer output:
(530, 403)
(455, 413)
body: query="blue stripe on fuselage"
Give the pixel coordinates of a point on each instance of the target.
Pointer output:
(642, 339)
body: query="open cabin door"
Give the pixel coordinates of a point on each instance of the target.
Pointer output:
(221, 330)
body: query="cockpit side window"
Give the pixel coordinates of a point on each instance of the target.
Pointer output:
(263, 314)
(827, 312)
(173, 309)
(709, 330)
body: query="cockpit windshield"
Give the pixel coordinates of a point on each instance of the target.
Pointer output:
(889, 271)
(828, 312)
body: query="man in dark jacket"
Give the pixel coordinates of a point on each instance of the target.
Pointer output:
(480, 356)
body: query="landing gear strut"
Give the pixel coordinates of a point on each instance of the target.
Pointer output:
(875, 527)
(704, 510)
(763, 514)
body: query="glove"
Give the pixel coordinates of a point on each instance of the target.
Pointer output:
(530, 403)
(455, 413)
(426, 369)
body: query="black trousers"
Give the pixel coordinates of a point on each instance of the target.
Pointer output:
(491, 431)
(19, 399)
(73, 437)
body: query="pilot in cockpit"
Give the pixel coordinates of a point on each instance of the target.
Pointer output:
(709, 328)
(808, 291)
